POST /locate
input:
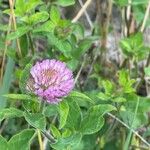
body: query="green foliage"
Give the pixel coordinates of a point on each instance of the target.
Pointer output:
(121, 3)
(45, 27)
(74, 115)
(3, 143)
(83, 119)
(24, 78)
(20, 31)
(134, 47)
(55, 131)
(23, 97)
(50, 110)
(65, 3)
(141, 117)
(36, 18)
(18, 141)
(23, 7)
(68, 142)
(54, 15)
(63, 113)
(147, 71)
(37, 120)
(10, 113)
(125, 82)
(21, 140)
(118, 93)
(93, 120)
(82, 96)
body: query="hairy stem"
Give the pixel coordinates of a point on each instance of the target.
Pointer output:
(40, 139)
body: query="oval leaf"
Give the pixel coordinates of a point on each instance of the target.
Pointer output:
(36, 120)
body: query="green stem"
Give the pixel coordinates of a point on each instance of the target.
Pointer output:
(31, 43)
(126, 146)
(40, 139)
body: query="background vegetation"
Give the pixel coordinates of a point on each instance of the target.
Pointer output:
(106, 44)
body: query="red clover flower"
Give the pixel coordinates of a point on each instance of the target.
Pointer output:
(51, 80)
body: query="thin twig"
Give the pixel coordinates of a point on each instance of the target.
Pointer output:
(79, 72)
(15, 26)
(143, 27)
(129, 9)
(5, 50)
(133, 131)
(139, 147)
(91, 67)
(145, 17)
(86, 14)
(82, 10)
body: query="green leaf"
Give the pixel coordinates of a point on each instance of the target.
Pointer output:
(73, 64)
(23, 97)
(55, 131)
(62, 45)
(50, 110)
(126, 82)
(133, 46)
(20, 7)
(32, 4)
(78, 31)
(123, 77)
(20, 31)
(147, 71)
(11, 53)
(3, 143)
(92, 127)
(65, 47)
(125, 45)
(74, 115)
(66, 133)
(68, 142)
(108, 86)
(46, 27)
(65, 2)
(136, 2)
(63, 109)
(54, 14)
(103, 96)
(84, 45)
(93, 121)
(10, 113)
(81, 95)
(121, 3)
(24, 78)
(4, 27)
(21, 141)
(36, 120)
(37, 18)
(119, 99)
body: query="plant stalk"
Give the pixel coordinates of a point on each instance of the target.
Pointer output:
(127, 143)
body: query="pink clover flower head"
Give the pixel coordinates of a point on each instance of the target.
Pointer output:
(51, 80)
